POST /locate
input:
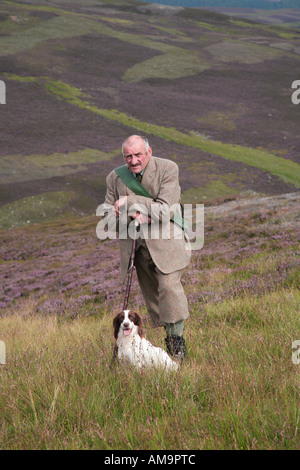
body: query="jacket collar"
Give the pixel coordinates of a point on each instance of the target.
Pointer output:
(149, 173)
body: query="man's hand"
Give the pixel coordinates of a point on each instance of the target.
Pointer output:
(141, 218)
(119, 204)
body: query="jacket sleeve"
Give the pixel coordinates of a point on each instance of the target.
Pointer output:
(111, 195)
(106, 210)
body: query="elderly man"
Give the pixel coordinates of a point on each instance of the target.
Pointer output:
(163, 252)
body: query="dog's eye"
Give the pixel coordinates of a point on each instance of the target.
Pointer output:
(131, 317)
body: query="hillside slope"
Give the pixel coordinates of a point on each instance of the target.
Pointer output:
(251, 246)
(211, 92)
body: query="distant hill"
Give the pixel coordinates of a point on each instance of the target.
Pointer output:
(211, 92)
(283, 13)
(259, 4)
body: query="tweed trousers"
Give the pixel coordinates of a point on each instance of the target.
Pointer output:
(163, 293)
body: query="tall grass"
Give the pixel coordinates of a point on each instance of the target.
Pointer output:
(239, 388)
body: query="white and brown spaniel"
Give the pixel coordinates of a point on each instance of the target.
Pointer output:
(133, 348)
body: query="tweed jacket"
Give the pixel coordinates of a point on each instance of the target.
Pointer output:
(170, 252)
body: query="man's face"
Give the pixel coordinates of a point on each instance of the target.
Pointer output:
(135, 154)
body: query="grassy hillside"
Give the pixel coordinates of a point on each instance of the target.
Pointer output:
(238, 391)
(239, 388)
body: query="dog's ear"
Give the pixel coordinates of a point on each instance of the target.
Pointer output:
(138, 321)
(116, 324)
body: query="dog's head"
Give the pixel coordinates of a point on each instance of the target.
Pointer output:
(128, 322)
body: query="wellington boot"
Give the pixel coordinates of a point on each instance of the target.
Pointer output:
(176, 347)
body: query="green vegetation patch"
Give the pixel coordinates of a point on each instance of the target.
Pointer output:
(25, 168)
(286, 169)
(35, 209)
(176, 34)
(69, 24)
(176, 64)
(58, 27)
(224, 121)
(242, 52)
(72, 158)
(213, 190)
(13, 23)
(277, 30)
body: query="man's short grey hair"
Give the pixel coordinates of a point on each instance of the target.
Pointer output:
(146, 142)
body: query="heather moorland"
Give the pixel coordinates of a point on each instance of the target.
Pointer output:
(213, 93)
